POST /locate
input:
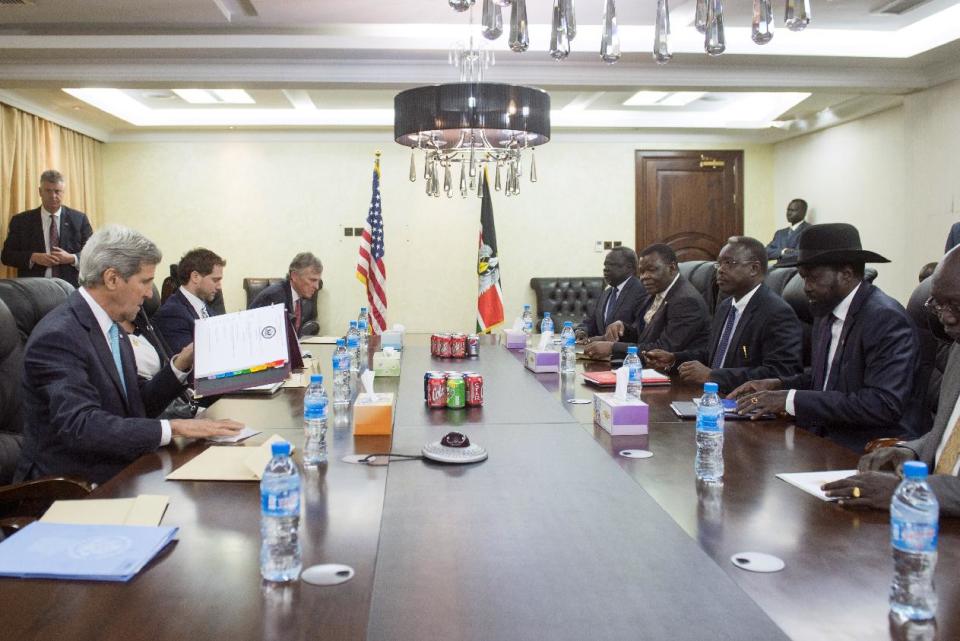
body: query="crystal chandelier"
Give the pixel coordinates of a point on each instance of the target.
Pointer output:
(463, 127)
(708, 21)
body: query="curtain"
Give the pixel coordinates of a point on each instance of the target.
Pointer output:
(28, 146)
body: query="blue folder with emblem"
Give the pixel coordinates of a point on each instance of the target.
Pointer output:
(82, 552)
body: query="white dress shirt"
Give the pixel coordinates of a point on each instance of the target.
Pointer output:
(45, 217)
(105, 323)
(148, 360)
(840, 316)
(198, 305)
(738, 306)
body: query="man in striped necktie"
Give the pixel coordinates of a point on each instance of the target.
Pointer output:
(940, 447)
(296, 293)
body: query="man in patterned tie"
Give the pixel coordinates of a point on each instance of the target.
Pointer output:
(940, 447)
(296, 293)
(85, 411)
(755, 333)
(201, 273)
(863, 379)
(47, 241)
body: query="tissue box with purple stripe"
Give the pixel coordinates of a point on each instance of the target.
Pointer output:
(620, 417)
(541, 361)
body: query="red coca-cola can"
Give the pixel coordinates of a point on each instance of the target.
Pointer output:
(434, 344)
(458, 345)
(426, 378)
(436, 390)
(444, 345)
(474, 385)
(473, 345)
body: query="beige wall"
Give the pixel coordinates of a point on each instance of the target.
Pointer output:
(257, 202)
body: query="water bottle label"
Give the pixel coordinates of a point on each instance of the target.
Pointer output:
(286, 503)
(913, 537)
(708, 422)
(636, 375)
(315, 410)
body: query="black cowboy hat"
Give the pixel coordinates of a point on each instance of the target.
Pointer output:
(829, 244)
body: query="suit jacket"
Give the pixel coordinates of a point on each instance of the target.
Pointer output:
(946, 487)
(632, 297)
(77, 419)
(785, 238)
(25, 237)
(874, 389)
(280, 293)
(174, 321)
(766, 343)
(681, 323)
(953, 238)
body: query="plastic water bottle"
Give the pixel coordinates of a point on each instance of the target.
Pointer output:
(914, 519)
(364, 317)
(315, 422)
(709, 462)
(364, 338)
(341, 374)
(546, 325)
(635, 367)
(280, 517)
(567, 331)
(568, 355)
(353, 346)
(527, 318)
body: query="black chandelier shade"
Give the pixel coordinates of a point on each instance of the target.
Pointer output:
(442, 116)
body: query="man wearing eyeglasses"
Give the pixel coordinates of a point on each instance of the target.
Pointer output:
(940, 447)
(863, 382)
(755, 333)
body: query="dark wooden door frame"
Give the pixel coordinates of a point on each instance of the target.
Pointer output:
(734, 156)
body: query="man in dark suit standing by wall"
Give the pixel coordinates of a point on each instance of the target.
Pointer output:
(863, 382)
(787, 238)
(755, 333)
(86, 411)
(296, 292)
(940, 447)
(675, 318)
(201, 272)
(47, 241)
(619, 301)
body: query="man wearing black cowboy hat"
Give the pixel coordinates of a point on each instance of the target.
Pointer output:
(862, 383)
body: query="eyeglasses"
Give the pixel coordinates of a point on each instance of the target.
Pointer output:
(937, 309)
(727, 263)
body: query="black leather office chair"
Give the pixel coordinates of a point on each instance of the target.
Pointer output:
(934, 345)
(253, 286)
(567, 299)
(702, 274)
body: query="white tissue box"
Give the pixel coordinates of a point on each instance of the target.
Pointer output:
(386, 363)
(515, 339)
(392, 338)
(618, 417)
(541, 361)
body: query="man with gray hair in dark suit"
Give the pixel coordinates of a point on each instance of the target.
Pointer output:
(296, 293)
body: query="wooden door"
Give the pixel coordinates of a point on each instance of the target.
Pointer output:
(690, 200)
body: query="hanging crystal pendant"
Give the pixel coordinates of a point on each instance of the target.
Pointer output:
(492, 20)
(533, 166)
(496, 182)
(413, 166)
(714, 42)
(570, 15)
(610, 41)
(460, 5)
(797, 16)
(519, 36)
(502, 3)
(700, 21)
(436, 182)
(559, 44)
(480, 189)
(762, 31)
(463, 180)
(661, 47)
(427, 161)
(447, 179)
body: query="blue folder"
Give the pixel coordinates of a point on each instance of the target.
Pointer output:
(84, 552)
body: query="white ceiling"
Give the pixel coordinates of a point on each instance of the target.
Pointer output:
(350, 57)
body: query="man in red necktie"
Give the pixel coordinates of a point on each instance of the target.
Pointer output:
(297, 293)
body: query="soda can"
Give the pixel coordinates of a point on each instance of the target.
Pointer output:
(474, 389)
(426, 378)
(473, 345)
(434, 344)
(456, 391)
(436, 390)
(458, 345)
(443, 345)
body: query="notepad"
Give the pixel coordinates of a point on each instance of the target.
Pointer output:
(810, 482)
(609, 378)
(146, 509)
(227, 463)
(319, 340)
(81, 552)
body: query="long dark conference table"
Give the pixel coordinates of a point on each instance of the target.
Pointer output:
(555, 536)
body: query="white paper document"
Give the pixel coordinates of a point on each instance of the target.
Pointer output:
(246, 432)
(241, 342)
(810, 482)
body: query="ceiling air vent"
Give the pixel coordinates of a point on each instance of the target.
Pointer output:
(895, 8)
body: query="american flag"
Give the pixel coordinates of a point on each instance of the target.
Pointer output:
(370, 268)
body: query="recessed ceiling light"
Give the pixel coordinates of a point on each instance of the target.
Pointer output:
(681, 98)
(215, 96)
